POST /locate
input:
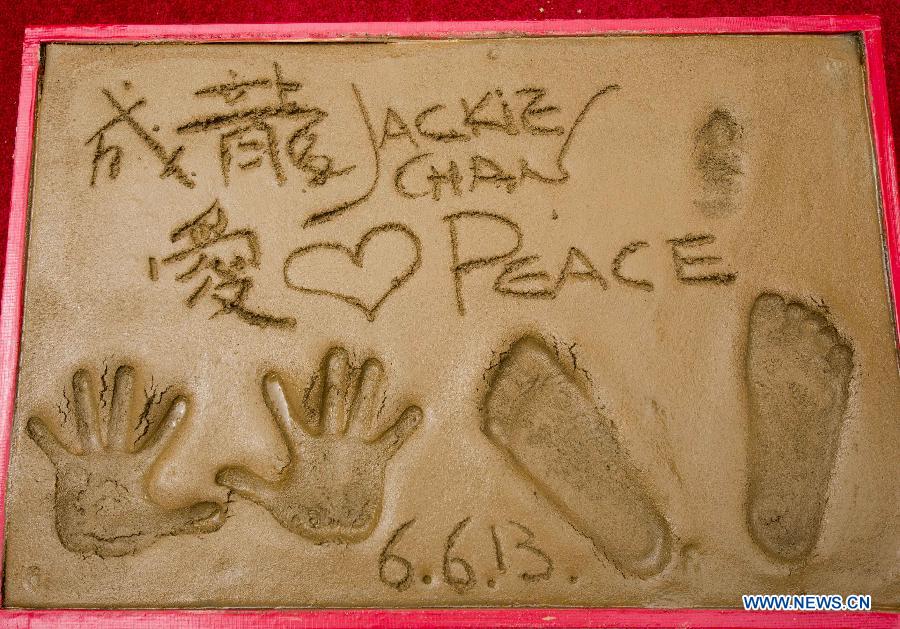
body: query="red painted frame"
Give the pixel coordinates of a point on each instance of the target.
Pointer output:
(14, 279)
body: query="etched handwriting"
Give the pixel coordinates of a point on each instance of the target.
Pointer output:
(516, 275)
(248, 136)
(684, 261)
(303, 279)
(219, 261)
(112, 154)
(428, 173)
(513, 545)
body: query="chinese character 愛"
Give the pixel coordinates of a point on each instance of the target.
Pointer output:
(219, 261)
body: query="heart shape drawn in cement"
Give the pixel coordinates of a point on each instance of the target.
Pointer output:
(356, 256)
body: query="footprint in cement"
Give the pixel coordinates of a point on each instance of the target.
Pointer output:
(537, 412)
(798, 375)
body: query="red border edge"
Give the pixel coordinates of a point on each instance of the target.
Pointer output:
(14, 280)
